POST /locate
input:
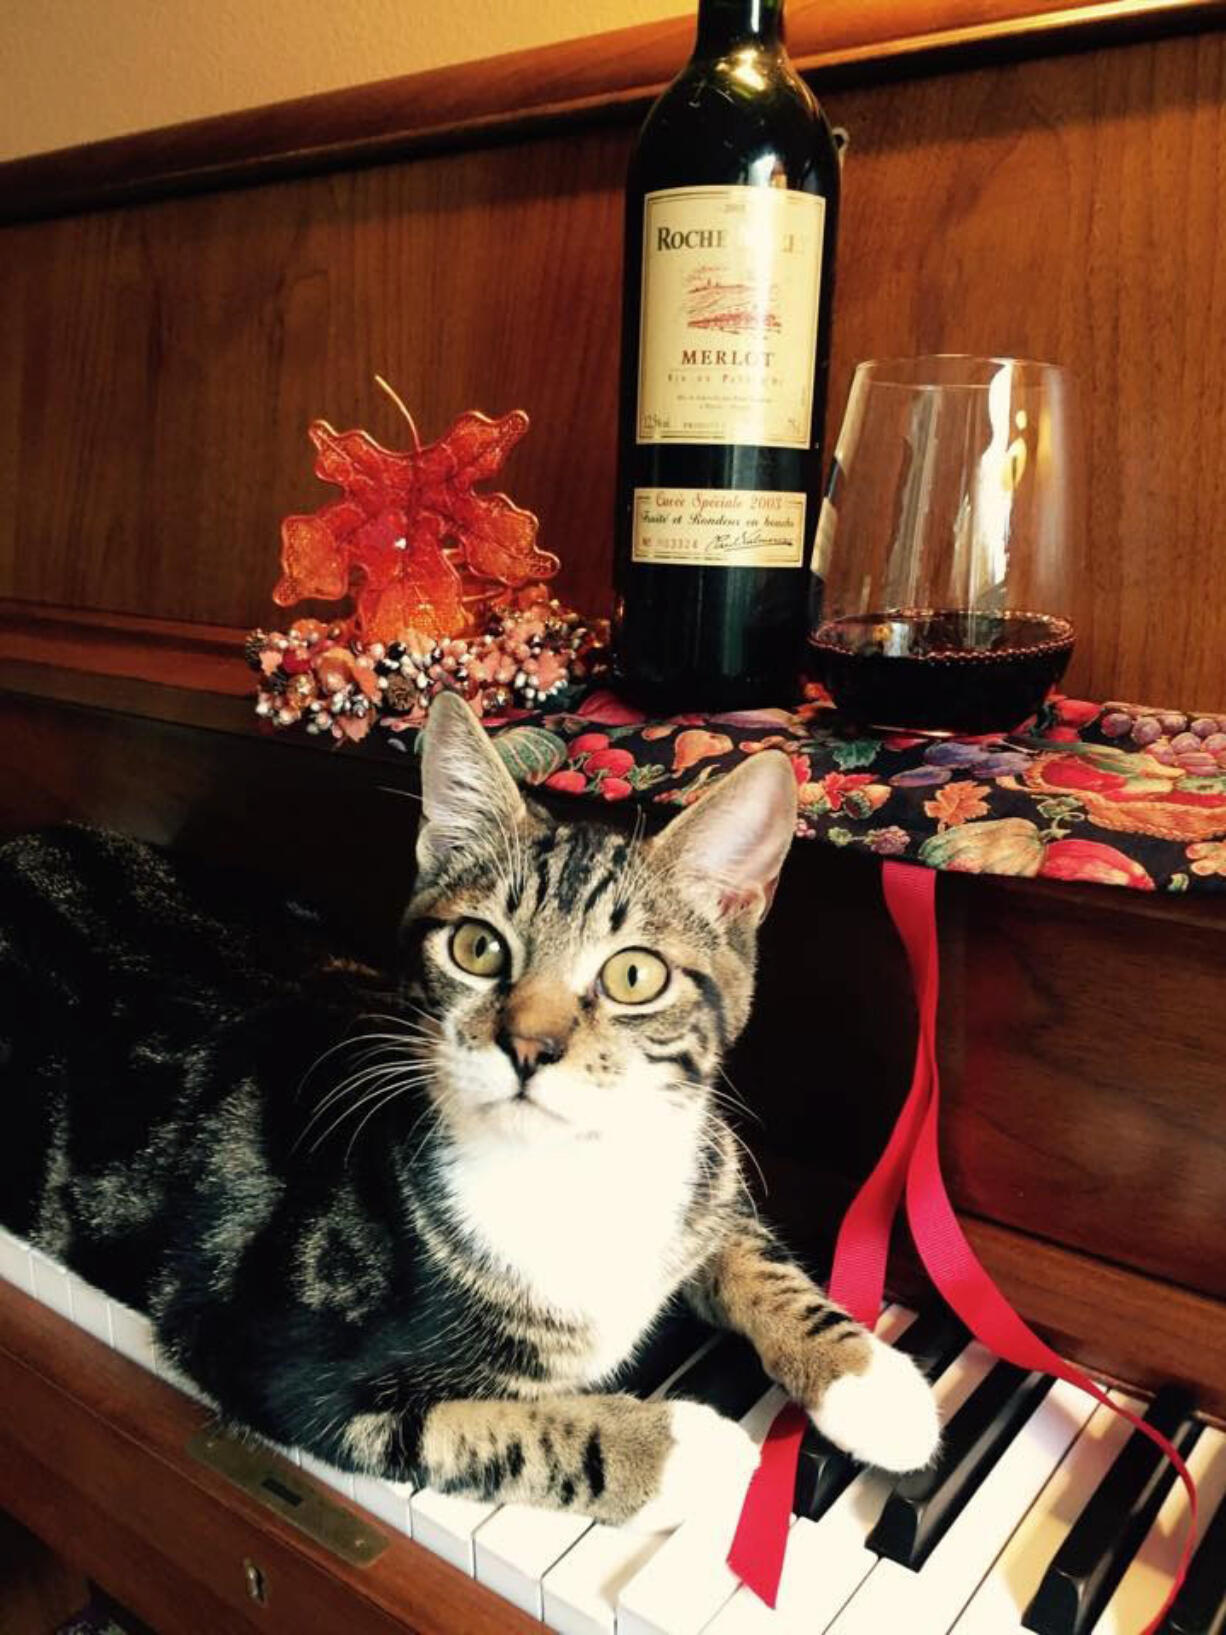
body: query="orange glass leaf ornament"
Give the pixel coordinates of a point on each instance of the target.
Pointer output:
(413, 540)
(422, 594)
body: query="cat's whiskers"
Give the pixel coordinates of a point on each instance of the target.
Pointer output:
(729, 1105)
(403, 1085)
(433, 1112)
(357, 1039)
(742, 1183)
(391, 1068)
(350, 1086)
(389, 1096)
(405, 1066)
(403, 1022)
(732, 1097)
(628, 875)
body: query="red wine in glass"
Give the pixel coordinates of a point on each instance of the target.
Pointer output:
(941, 670)
(942, 573)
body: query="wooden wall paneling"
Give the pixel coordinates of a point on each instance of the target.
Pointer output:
(171, 354)
(1071, 209)
(503, 96)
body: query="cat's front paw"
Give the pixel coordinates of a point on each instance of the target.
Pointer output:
(885, 1415)
(705, 1471)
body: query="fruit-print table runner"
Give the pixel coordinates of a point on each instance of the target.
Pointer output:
(1115, 794)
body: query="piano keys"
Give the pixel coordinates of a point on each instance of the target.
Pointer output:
(1025, 1464)
(1094, 1556)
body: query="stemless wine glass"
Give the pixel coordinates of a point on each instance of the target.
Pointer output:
(946, 543)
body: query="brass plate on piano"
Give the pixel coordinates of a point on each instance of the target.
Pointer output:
(283, 1489)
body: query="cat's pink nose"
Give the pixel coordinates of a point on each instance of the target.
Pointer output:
(530, 1051)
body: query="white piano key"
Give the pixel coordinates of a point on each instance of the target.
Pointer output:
(389, 1501)
(132, 1335)
(15, 1262)
(1151, 1572)
(90, 1309)
(340, 1481)
(51, 1283)
(688, 1579)
(827, 1560)
(1001, 1599)
(579, 1594)
(929, 1602)
(805, 1584)
(518, 1545)
(446, 1523)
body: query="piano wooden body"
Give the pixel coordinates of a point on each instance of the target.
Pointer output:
(1028, 177)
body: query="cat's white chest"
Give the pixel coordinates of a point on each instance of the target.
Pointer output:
(590, 1232)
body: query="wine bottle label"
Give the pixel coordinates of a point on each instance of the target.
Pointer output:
(728, 337)
(719, 528)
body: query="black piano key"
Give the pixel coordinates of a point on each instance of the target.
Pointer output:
(1103, 1540)
(677, 1336)
(925, 1503)
(728, 1378)
(1200, 1606)
(933, 1340)
(822, 1472)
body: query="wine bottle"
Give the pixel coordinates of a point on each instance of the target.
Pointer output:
(731, 210)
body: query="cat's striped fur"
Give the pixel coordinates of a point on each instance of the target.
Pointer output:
(414, 1225)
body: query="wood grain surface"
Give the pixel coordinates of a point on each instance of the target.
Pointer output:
(93, 1459)
(507, 95)
(1081, 1074)
(159, 364)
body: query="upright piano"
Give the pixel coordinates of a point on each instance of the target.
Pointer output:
(1037, 178)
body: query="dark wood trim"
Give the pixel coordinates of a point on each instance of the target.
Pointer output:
(92, 1459)
(204, 657)
(472, 102)
(127, 696)
(162, 669)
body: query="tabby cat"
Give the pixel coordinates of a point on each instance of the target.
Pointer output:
(412, 1225)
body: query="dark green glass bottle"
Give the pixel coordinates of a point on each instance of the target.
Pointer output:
(731, 211)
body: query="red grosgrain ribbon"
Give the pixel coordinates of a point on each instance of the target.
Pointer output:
(911, 1159)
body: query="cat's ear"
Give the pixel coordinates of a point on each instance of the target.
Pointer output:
(729, 847)
(469, 799)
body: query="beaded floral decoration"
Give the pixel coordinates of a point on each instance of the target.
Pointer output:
(447, 585)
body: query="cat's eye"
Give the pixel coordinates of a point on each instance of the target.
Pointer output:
(634, 976)
(478, 949)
